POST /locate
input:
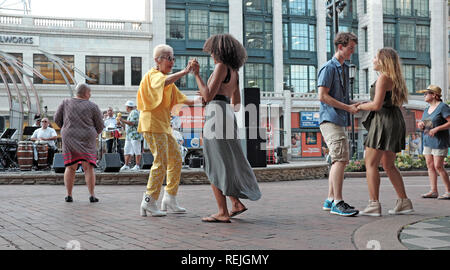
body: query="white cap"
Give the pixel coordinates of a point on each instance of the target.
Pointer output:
(130, 103)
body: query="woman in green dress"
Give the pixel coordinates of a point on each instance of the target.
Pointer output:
(386, 131)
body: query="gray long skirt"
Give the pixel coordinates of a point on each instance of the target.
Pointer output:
(226, 166)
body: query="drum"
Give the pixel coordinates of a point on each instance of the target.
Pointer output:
(42, 150)
(25, 155)
(108, 134)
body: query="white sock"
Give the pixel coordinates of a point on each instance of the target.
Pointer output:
(330, 199)
(337, 201)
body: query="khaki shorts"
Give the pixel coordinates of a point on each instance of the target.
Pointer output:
(336, 140)
(435, 152)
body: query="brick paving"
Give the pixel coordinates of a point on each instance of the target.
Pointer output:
(287, 217)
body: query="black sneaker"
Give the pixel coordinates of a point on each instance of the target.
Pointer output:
(68, 199)
(343, 209)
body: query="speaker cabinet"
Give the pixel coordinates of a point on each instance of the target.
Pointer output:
(255, 136)
(110, 162)
(195, 162)
(146, 160)
(58, 163)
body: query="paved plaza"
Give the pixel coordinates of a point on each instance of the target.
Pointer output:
(287, 217)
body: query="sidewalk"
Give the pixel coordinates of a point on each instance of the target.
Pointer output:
(287, 217)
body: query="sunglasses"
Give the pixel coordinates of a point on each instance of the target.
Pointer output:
(428, 92)
(44, 121)
(169, 58)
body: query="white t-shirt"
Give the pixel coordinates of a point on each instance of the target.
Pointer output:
(45, 133)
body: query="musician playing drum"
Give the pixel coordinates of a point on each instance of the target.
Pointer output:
(48, 135)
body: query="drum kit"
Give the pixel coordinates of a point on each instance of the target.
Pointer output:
(107, 134)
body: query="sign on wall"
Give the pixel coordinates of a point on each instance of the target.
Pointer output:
(6, 39)
(309, 119)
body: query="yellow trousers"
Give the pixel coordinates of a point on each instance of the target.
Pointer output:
(167, 161)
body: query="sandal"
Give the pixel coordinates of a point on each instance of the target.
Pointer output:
(430, 195)
(445, 196)
(213, 219)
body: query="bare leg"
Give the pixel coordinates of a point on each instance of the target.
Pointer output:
(372, 160)
(89, 175)
(439, 166)
(221, 204)
(337, 179)
(127, 159)
(138, 160)
(432, 175)
(236, 204)
(393, 173)
(69, 178)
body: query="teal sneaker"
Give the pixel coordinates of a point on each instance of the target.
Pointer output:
(343, 209)
(327, 205)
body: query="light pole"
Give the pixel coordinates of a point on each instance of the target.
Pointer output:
(352, 74)
(335, 7)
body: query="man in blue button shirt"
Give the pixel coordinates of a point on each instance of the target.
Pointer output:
(335, 109)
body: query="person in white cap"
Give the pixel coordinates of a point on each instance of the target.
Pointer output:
(133, 139)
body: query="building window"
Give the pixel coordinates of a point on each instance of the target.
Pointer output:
(136, 70)
(366, 40)
(422, 38)
(106, 70)
(365, 6)
(286, 36)
(259, 75)
(46, 67)
(175, 24)
(303, 37)
(19, 57)
(366, 81)
(405, 7)
(388, 7)
(329, 41)
(407, 41)
(258, 6)
(301, 78)
(218, 23)
(417, 77)
(254, 34)
(299, 7)
(389, 35)
(422, 77)
(198, 29)
(421, 8)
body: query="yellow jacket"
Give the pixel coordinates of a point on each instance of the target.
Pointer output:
(155, 102)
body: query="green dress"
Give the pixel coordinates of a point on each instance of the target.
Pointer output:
(386, 127)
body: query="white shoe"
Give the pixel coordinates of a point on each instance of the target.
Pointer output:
(124, 168)
(149, 204)
(402, 206)
(171, 202)
(135, 168)
(373, 209)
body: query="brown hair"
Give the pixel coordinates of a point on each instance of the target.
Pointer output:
(226, 49)
(344, 38)
(390, 66)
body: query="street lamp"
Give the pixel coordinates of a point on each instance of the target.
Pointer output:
(335, 7)
(352, 75)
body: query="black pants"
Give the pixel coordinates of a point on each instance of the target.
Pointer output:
(119, 148)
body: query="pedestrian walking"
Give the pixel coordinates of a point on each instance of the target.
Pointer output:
(81, 121)
(435, 124)
(156, 98)
(386, 131)
(226, 166)
(335, 108)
